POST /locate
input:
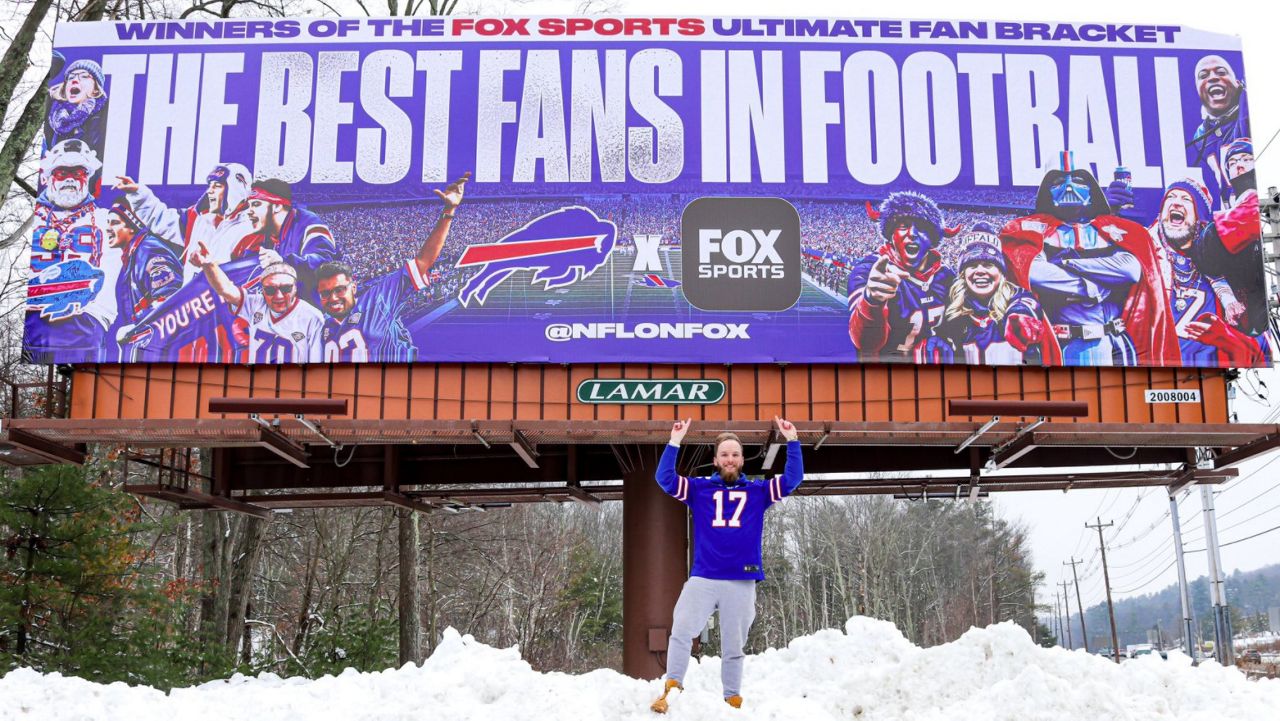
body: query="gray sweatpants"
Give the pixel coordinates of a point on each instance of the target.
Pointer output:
(736, 601)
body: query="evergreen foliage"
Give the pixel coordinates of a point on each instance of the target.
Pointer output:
(77, 594)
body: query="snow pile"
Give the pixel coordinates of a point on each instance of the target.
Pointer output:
(867, 673)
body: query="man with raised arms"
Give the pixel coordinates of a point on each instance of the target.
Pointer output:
(728, 527)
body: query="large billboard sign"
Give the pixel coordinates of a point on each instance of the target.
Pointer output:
(727, 190)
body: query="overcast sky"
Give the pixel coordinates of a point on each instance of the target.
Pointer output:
(1245, 506)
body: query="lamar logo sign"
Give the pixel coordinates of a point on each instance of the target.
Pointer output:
(740, 254)
(658, 392)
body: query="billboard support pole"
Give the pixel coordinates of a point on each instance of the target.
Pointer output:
(1269, 208)
(1188, 640)
(1222, 648)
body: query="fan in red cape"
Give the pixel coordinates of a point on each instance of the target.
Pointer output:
(1095, 273)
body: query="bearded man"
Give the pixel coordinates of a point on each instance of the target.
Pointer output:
(1206, 312)
(71, 295)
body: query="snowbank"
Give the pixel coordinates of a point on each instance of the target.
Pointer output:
(867, 673)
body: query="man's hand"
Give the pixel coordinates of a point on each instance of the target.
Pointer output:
(1235, 312)
(787, 430)
(267, 256)
(883, 282)
(126, 184)
(199, 255)
(678, 430)
(452, 195)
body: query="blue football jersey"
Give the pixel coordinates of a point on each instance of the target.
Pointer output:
(728, 520)
(913, 313)
(373, 330)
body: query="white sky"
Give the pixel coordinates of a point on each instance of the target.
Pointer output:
(1057, 520)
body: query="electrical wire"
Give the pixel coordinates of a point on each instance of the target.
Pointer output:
(1238, 540)
(1149, 581)
(1268, 145)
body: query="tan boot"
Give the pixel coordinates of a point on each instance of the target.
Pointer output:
(660, 705)
(734, 701)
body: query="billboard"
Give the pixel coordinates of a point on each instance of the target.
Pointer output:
(647, 189)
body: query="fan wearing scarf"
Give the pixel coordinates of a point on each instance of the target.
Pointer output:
(78, 106)
(70, 299)
(898, 294)
(1095, 274)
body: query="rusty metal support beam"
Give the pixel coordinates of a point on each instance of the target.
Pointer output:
(1249, 450)
(186, 497)
(1018, 448)
(578, 494)
(50, 450)
(523, 448)
(272, 440)
(280, 406)
(1054, 409)
(403, 501)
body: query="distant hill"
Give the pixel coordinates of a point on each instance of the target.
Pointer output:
(1249, 595)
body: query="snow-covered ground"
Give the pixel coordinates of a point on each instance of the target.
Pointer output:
(867, 672)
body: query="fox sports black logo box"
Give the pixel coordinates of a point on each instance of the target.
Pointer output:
(740, 254)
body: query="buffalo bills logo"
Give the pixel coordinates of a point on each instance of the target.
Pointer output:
(561, 248)
(61, 290)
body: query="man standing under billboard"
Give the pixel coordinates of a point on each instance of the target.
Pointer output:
(898, 294)
(728, 525)
(364, 324)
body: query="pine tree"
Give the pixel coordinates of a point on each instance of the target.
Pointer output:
(75, 593)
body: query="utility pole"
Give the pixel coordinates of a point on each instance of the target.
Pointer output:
(1084, 633)
(1066, 600)
(1106, 580)
(1222, 645)
(1184, 593)
(1057, 614)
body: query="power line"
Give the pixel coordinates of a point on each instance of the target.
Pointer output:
(1151, 580)
(1250, 518)
(1268, 145)
(1240, 540)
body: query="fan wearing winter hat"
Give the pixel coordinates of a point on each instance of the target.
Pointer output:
(897, 294)
(78, 106)
(988, 319)
(1205, 309)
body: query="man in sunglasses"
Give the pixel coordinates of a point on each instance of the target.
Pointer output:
(282, 328)
(366, 326)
